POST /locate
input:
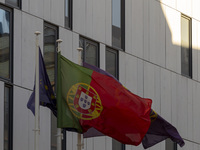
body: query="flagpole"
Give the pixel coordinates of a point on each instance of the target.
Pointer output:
(80, 63)
(59, 134)
(37, 108)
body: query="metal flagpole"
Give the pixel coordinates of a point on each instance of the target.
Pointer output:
(80, 63)
(37, 108)
(59, 134)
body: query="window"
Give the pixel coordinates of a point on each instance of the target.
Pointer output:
(8, 117)
(170, 145)
(5, 43)
(90, 51)
(112, 68)
(118, 24)
(68, 14)
(50, 37)
(112, 62)
(15, 3)
(186, 46)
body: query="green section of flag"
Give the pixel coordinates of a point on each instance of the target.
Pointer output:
(69, 74)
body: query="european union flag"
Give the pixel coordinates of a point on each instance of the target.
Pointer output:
(46, 94)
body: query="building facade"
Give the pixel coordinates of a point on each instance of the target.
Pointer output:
(151, 46)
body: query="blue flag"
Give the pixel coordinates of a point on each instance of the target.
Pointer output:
(46, 94)
(160, 130)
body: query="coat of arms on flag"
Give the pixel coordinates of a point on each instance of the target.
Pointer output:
(84, 101)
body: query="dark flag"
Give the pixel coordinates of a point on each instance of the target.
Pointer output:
(160, 130)
(46, 94)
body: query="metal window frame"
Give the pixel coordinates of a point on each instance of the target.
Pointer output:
(10, 79)
(70, 12)
(190, 46)
(10, 120)
(85, 41)
(122, 24)
(19, 4)
(116, 61)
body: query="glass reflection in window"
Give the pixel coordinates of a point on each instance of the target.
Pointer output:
(4, 43)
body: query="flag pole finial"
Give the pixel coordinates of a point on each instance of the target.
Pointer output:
(59, 41)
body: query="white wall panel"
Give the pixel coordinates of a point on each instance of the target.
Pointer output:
(2, 1)
(100, 143)
(89, 17)
(102, 56)
(20, 118)
(99, 26)
(128, 26)
(137, 28)
(195, 48)
(152, 85)
(17, 72)
(157, 33)
(30, 25)
(190, 108)
(79, 16)
(108, 21)
(184, 6)
(174, 89)
(171, 3)
(108, 143)
(75, 46)
(47, 10)
(182, 100)
(131, 73)
(57, 17)
(1, 114)
(26, 6)
(195, 9)
(89, 144)
(146, 33)
(69, 140)
(159, 146)
(166, 94)
(66, 45)
(37, 7)
(173, 40)
(196, 112)
(140, 77)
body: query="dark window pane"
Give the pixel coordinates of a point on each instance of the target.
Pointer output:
(68, 13)
(170, 145)
(116, 23)
(111, 62)
(50, 37)
(6, 118)
(185, 47)
(13, 2)
(49, 51)
(4, 44)
(116, 145)
(91, 54)
(90, 51)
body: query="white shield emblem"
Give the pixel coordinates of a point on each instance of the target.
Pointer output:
(85, 101)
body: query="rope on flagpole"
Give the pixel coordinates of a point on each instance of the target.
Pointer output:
(37, 108)
(59, 134)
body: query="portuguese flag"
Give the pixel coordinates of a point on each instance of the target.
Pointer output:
(89, 99)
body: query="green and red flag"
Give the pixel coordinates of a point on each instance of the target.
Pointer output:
(89, 99)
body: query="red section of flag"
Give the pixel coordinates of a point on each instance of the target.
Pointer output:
(125, 116)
